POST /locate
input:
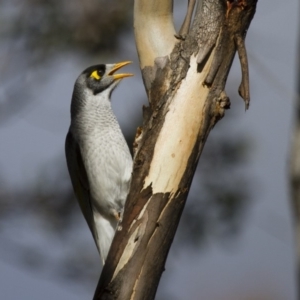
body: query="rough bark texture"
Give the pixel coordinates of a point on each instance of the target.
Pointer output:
(186, 96)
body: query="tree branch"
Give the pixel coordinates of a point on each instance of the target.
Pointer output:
(186, 96)
(185, 27)
(154, 29)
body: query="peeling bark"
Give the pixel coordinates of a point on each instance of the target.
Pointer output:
(185, 81)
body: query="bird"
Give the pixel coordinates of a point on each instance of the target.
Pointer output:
(97, 155)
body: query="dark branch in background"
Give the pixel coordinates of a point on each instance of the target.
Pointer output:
(295, 171)
(52, 26)
(39, 30)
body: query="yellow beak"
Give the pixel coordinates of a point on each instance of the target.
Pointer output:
(118, 66)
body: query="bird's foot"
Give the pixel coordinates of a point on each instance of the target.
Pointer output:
(119, 217)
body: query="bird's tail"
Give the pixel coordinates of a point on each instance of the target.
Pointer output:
(105, 231)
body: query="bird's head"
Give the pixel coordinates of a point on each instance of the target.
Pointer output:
(102, 77)
(95, 85)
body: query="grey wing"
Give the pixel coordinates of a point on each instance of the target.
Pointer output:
(79, 180)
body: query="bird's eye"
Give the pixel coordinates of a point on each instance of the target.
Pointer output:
(96, 75)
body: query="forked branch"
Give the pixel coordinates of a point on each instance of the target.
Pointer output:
(185, 80)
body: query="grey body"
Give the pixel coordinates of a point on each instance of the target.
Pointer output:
(99, 161)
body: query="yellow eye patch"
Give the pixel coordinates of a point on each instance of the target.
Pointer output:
(95, 75)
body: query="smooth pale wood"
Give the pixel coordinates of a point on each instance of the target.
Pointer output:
(153, 19)
(178, 136)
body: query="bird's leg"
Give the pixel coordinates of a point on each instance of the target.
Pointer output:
(244, 89)
(117, 214)
(137, 140)
(185, 27)
(119, 217)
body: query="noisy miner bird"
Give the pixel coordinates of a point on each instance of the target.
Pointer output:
(97, 154)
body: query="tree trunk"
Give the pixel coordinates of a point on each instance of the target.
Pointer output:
(184, 77)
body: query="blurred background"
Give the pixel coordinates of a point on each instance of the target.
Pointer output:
(235, 239)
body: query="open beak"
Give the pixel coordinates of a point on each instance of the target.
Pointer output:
(118, 66)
